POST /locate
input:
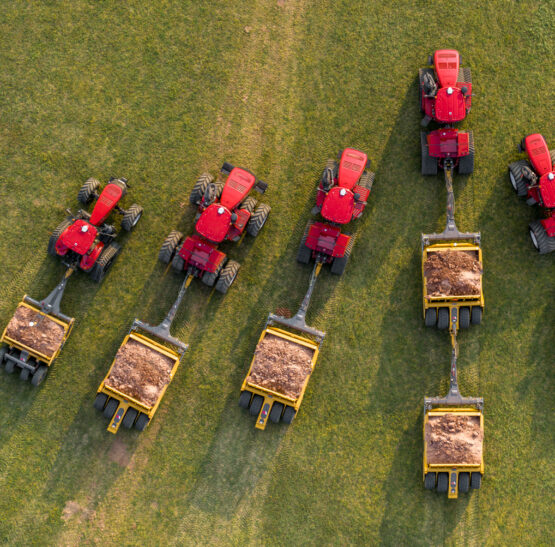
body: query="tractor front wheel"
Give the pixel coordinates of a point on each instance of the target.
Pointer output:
(131, 217)
(227, 276)
(516, 176)
(61, 228)
(258, 219)
(542, 242)
(249, 204)
(169, 246)
(199, 188)
(104, 263)
(88, 191)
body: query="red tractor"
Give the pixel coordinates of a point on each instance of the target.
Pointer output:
(534, 179)
(86, 240)
(225, 212)
(342, 194)
(447, 148)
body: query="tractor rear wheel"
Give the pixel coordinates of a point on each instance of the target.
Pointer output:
(429, 164)
(110, 408)
(430, 481)
(258, 219)
(475, 481)
(275, 413)
(516, 176)
(249, 203)
(209, 278)
(100, 401)
(288, 415)
(129, 418)
(178, 263)
(543, 243)
(245, 399)
(39, 375)
(442, 482)
(340, 262)
(60, 229)
(464, 317)
(442, 318)
(305, 253)
(169, 246)
(256, 405)
(105, 261)
(227, 276)
(464, 482)
(476, 315)
(131, 217)
(430, 317)
(367, 180)
(88, 191)
(199, 188)
(142, 422)
(466, 163)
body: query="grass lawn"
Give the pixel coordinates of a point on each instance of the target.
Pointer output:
(158, 92)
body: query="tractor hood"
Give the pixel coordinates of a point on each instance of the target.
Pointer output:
(351, 166)
(339, 205)
(538, 152)
(214, 223)
(450, 105)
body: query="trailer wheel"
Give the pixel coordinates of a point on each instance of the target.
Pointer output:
(111, 408)
(24, 374)
(464, 317)
(442, 318)
(100, 401)
(275, 413)
(476, 318)
(340, 262)
(199, 188)
(542, 242)
(87, 191)
(227, 277)
(129, 418)
(131, 217)
(249, 204)
(288, 415)
(464, 482)
(429, 164)
(430, 318)
(258, 219)
(105, 261)
(142, 422)
(3, 350)
(430, 481)
(256, 405)
(466, 163)
(305, 253)
(245, 399)
(475, 481)
(39, 375)
(442, 482)
(169, 246)
(10, 366)
(516, 176)
(56, 235)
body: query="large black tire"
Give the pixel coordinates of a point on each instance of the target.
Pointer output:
(288, 415)
(430, 481)
(39, 375)
(476, 315)
(464, 317)
(141, 422)
(56, 235)
(24, 374)
(105, 261)
(464, 75)
(258, 219)
(131, 217)
(275, 413)
(249, 204)
(129, 418)
(245, 399)
(199, 188)
(430, 317)
(429, 164)
(464, 482)
(88, 191)
(542, 242)
(475, 481)
(442, 318)
(209, 278)
(178, 263)
(3, 351)
(169, 246)
(304, 253)
(367, 179)
(442, 482)
(256, 405)
(110, 408)
(100, 401)
(466, 163)
(516, 176)
(340, 262)
(10, 366)
(227, 276)
(421, 73)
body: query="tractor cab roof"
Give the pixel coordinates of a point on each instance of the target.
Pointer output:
(339, 205)
(79, 236)
(214, 223)
(450, 105)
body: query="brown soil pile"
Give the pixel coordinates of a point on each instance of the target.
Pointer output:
(281, 365)
(36, 331)
(140, 372)
(454, 439)
(453, 273)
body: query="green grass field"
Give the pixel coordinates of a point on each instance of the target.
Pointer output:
(158, 92)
